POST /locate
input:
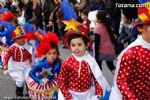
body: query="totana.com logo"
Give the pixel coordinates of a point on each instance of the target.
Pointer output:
(118, 5)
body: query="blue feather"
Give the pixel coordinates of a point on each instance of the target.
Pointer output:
(3, 10)
(143, 1)
(68, 10)
(7, 25)
(7, 33)
(28, 27)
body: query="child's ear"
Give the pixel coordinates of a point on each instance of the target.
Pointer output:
(140, 28)
(88, 44)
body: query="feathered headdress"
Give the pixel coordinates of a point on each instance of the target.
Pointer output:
(17, 33)
(29, 31)
(71, 23)
(74, 28)
(68, 10)
(45, 45)
(32, 33)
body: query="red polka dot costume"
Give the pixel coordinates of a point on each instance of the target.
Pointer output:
(133, 77)
(75, 81)
(134, 74)
(77, 77)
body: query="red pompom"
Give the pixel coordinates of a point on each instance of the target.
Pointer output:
(7, 15)
(45, 45)
(29, 36)
(43, 48)
(51, 37)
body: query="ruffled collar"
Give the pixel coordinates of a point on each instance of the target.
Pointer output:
(26, 46)
(81, 58)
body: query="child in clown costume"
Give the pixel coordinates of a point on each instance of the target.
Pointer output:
(80, 77)
(132, 76)
(42, 80)
(18, 60)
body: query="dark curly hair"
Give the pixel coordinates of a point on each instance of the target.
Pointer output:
(75, 36)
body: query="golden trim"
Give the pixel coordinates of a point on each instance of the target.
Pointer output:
(50, 92)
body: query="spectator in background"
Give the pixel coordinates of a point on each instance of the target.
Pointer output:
(20, 4)
(127, 34)
(97, 5)
(14, 6)
(46, 11)
(60, 24)
(86, 22)
(28, 10)
(37, 12)
(8, 4)
(104, 42)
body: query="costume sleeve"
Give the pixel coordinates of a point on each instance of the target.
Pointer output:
(4, 33)
(63, 81)
(36, 68)
(98, 89)
(9, 54)
(126, 67)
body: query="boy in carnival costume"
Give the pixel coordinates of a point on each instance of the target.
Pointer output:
(18, 60)
(132, 76)
(80, 77)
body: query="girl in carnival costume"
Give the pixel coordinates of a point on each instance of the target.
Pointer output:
(132, 76)
(18, 60)
(42, 80)
(80, 77)
(104, 41)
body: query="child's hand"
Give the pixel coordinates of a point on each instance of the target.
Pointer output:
(96, 97)
(123, 41)
(31, 65)
(5, 68)
(40, 82)
(50, 77)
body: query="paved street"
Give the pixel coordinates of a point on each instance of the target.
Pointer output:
(7, 86)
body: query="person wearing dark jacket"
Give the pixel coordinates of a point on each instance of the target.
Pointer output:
(46, 11)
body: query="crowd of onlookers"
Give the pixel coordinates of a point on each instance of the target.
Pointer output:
(47, 15)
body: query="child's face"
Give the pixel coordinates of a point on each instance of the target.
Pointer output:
(78, 46)
(20, 41)
(145, 30)
(83, 16)
(51, 56)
